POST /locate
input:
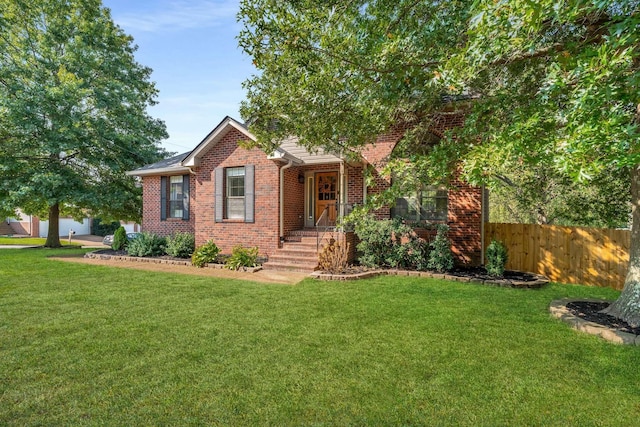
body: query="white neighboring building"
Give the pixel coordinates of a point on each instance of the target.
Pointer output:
(32, 226)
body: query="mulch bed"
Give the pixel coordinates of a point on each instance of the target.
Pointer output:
(513, 279)
(590, 311)
(481, 273)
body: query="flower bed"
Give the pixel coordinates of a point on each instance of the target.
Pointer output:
(121, 256)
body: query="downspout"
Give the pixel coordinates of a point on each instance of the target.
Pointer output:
(282, 169)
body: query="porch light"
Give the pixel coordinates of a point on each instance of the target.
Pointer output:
(301, 178)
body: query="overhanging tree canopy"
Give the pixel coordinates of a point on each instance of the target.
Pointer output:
(73, 114)
(553, 82)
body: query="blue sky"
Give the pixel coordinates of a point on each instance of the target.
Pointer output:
(197, 64)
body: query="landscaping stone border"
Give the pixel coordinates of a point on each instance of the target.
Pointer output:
(98, 255)
(538, 283)
(559, 310)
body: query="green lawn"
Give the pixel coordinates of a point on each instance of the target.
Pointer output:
(31, 241)
(90, 345)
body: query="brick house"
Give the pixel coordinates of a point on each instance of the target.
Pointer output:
(277, 201)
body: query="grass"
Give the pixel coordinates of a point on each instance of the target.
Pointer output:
(90, 345)
(29, 241)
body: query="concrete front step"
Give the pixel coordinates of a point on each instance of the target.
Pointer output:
(308, 240)
(298, 251)
(293, 259)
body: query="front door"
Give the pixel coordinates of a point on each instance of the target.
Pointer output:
(326, 195)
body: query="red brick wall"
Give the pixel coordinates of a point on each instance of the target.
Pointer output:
(355, 184)
(377, 155)
(465, 202)
(263, 233)
(151, 222)
(465, 222)
(293, 199)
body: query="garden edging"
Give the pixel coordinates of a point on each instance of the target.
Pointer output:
(98, 255)
(559, 310)
(539, 282)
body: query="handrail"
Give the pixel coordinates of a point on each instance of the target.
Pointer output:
(323, 219)
(324, 224)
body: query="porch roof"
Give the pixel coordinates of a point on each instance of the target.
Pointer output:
(290, 150)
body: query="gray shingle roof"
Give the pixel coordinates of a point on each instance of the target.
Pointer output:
(172, 162)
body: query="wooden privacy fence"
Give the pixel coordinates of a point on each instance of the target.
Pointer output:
(589, 256)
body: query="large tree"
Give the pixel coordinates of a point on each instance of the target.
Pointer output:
(73, 111)
(545, 82)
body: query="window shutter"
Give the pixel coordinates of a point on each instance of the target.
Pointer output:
(163, 198)
(219, 194)
(186, 179)
(249, 193)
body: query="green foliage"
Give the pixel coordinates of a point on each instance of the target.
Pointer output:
(181, 245)
(147, 245)
(205, 254)
(242, 257)
(540, 194)
(497, 258)
(100, 228)
(389, 244)
(73, 111)
(440, 257)
(119, 239)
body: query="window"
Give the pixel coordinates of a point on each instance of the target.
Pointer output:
(174, 197)
(234, 193)
(428, 204)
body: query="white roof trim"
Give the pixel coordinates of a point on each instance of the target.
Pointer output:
(175, 170)
(193, 159)
(280, 154)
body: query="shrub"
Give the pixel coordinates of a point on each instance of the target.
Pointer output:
(389, 243)
(242, 257)
(497, 257)
(378, 241)
(147, 244)
(205, 254)
(181, 245)
(413, 254)
(440, 257)
(119, 239)
(334, 256)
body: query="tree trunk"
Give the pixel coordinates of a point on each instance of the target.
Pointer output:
(627, 306)
(53, 233)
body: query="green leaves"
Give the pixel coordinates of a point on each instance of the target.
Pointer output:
(552, 83)
(338, 74)
(73, 106)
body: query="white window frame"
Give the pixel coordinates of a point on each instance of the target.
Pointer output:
(234, 202)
